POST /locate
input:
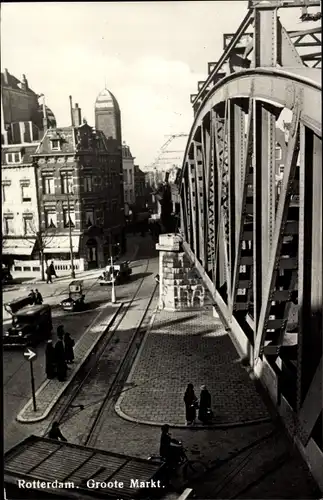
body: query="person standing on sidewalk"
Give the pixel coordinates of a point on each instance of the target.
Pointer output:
(38, 298)
(69, 345)
(205, 412)
(60, 355)
(50, 357)
(191, 404)
(50, 271)
(32, 297)
(55, 433)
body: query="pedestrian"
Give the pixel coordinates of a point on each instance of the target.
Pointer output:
(52, 269)
(38, 298)
(50, 357)
(32, 297)
(55, 433)
(60, 355)
(69, 345)
(191, 404)
(170, 449)
(205, 412)
(49, 275)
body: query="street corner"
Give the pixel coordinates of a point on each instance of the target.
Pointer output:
(182, 348)
(49, 393)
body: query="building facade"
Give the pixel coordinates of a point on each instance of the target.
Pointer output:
(80, 190)
(23, 118)
(128, 175)
(20, 211)
(141, 192)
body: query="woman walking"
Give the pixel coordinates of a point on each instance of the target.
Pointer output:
(190, 401)
(205, 412)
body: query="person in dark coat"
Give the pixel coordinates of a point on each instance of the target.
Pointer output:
(55, 433)
(32, 297)
(60, 355)
(69, 351)
(205, 412)
(38, 298)
(50, 357)
(50, 271)
(49, 275)
(190, 401)
(170, 449)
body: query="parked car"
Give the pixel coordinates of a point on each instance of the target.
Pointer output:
(75, 299)
(119, 273)
(30, 323)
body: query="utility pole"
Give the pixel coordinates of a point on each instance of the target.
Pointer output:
(70, 231)
(113, 290)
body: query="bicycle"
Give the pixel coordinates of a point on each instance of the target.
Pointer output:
(190, 469)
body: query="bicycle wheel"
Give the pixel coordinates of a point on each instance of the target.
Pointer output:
(193, 469)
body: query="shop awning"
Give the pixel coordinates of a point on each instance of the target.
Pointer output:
(18, 246)
(61, 244)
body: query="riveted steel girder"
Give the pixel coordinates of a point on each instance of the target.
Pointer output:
(258, 252)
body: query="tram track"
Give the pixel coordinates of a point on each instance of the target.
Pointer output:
(107, 368)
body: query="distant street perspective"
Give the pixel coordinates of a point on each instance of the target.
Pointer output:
(161, 314)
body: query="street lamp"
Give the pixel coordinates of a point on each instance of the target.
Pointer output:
(70, 232)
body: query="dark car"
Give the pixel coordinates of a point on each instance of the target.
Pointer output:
(30, 324)
(119, 273)
(75, 299)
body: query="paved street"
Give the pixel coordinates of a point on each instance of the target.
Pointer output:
(196, 349)
(255, 460)
(17, 385)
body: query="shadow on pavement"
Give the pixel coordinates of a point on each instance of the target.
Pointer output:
(138, 276)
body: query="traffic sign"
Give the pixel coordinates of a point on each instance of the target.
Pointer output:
(29, 354)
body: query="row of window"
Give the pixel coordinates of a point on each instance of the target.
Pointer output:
(127, 176)
(29, 226)
(13, 157)
(25, 193)
(67, 183)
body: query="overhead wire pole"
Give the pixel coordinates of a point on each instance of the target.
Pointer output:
(70, 232)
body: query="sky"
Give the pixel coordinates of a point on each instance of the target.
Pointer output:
(149, 54)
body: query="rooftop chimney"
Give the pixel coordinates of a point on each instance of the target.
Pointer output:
(45, 121)
(6, 76)
(71, 110)
(77, 116)
(24, 82)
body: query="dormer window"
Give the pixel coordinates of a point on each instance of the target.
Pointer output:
(13, 157)
(56, 144)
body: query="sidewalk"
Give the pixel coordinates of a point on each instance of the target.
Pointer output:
(130, 255)
(50, 391)
(189, 347)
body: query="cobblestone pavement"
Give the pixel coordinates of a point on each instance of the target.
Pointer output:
(189, 347)
(239, 458)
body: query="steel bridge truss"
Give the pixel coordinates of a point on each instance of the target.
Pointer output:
(257, 241)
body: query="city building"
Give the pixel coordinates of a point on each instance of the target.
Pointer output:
(108, 118)
(128, 175)
(23, 118)
(20, 211)
(80, 194)
(141, 192)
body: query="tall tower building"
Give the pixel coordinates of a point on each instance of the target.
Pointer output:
(108, 118)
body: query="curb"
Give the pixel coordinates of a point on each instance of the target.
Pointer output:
(20, 418)
(123, 415)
